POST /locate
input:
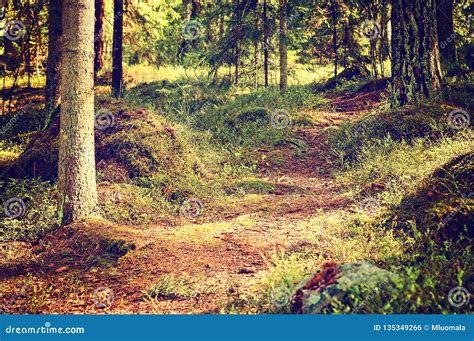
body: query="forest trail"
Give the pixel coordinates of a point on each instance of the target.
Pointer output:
(221, 256)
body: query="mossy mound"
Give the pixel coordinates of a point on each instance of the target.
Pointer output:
(137, 144)
(443, 208)
(408, 123)
(352, 73)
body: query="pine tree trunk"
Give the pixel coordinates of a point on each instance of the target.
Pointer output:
(76, 168)
(117, 50)
(265, 42)
(99, 36)
(334, 36)
(53, 66)
(446, 35)
(237, 38)
(283, 48)
(415, 55)
(373, 45)
(255, 49)
(383, 36)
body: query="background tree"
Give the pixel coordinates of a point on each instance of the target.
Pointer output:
(446, 35)
(266, 30)
(415, 55)
(99, 36)
(283, 36)
(117, 50)
(53, 68)
(76, 169)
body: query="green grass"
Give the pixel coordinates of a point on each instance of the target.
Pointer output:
(417, 228)
(171, 287)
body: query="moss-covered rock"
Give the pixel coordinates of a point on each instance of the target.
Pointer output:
(347, 286)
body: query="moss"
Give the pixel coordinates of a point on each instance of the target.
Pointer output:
(253, 185)
(443, 208)
(408, 123)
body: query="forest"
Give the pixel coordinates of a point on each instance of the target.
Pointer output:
(236, 157)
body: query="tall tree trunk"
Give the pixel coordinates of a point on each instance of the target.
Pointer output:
(265, 41)
(99, 36)
(238, 30)
(117, 50)
(334, 35)
(53, 66)
(76, 169)
(28, 57)
(255, 47)
(373, 43)
(283, 48)
(415, 55)
(446, 35)
(383, 36)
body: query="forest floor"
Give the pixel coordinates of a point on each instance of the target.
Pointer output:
(220, 259)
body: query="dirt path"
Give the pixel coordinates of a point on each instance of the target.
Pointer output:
(221, 258)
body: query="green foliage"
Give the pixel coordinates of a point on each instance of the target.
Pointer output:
(419, 231)
(171, 287)
(28, 209)
(408, 123)
(459, 90)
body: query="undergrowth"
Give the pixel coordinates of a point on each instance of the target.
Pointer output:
(416, 226)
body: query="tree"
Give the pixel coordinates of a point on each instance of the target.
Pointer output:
(283, 36)
(98, 36)
(238, 31)
(334, 17)
(265, 41)
(117, 50)
(415, 55)
(446, 35)
(53, 67)
(76, 169)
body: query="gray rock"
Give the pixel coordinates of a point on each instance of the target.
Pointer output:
(338, 285)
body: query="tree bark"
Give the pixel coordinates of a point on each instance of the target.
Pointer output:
(283, 48)
(237, 38)
(446, 35)
(117, 50)
(99, 37)
(53, 66)
(265, 41)
(76, 168)
(334, 35)
(255, 47)
(373, 43)
(383, 36)
(415, 55)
